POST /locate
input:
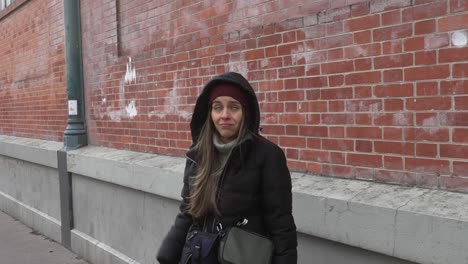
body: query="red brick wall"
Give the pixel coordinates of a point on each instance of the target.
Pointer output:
(32, 70)
(373, 90)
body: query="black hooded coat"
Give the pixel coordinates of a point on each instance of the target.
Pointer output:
(256, 184)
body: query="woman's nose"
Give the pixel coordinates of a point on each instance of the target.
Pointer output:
(225, 113)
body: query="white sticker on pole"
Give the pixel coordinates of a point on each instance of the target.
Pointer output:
(72, 107)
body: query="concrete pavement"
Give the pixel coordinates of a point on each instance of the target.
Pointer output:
(19, 244)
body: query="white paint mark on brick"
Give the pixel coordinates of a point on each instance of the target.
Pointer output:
(400, 119)
(434, 42)
(238, 66)
(130, 74)
(131, 109)
(104, 100)
(171, 104)
(459, 39)
(297, 55)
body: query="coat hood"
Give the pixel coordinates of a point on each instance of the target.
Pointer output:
(201, 109)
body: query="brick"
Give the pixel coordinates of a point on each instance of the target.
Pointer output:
(427, 119)
(336, 41)
(292, 153)
(374, 161)
(272, 107)
(425, 11)
(337, 67)
(405, 178)
(313, 131)
(363, 64)
(393, 32)
(394, 90)
(453, 55)
(460, 135)
(454, 119)
(338, 93)
(335, 54)
(291, 72)
(426, 150)
(314, 155)
(461, 103)
(393, 105)
(334, 28)
(363, 77)
(337, 144)
(312, 82)
(394, 119)
(393, 162)
(293, 130)
(460, 168)
(425, 27)
(385, 5)
(427, 88)
(359, 9)
(453, 151)
(316, 106)
(362, 37)
(337, 157)
(454, 87)
(336, 106)
(294, 142)
(336, 14)
(393, 61)
(427, 73)
(314, 143)
(425, 57)
(365, 50)
(254, 54)
(456, 184)
(316, 31)
(337, 170)
(291, 95)
(293, 23)
(362, 91)
(429, 103)
(427, 134)
(362, 23)
(392, 133)
(363, 146)
(427, 165)
(337, 119)
(391, 18)
(364, 132)
(458, 6)
(363, 105)
(335, 80)
(460, 70)
(453, 22)
(270, 40)
(291, 48)
(394, 147)
(390, 177)
(394, 75)
(336, 132)
(363, 119)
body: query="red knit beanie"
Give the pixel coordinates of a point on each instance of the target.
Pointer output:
(227, 89)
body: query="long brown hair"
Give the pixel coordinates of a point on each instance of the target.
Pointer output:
(204, 189)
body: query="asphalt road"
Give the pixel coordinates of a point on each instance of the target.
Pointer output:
(19, 244)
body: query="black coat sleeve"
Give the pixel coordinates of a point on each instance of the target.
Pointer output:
(277, 206)
(171, 248)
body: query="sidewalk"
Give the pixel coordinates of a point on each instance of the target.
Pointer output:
(19, 244)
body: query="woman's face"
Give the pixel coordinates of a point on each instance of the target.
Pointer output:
(226, 113)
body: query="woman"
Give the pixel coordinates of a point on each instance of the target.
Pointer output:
(232, 173)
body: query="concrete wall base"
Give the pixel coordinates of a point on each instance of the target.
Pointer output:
(30, 216)
(124, 203)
